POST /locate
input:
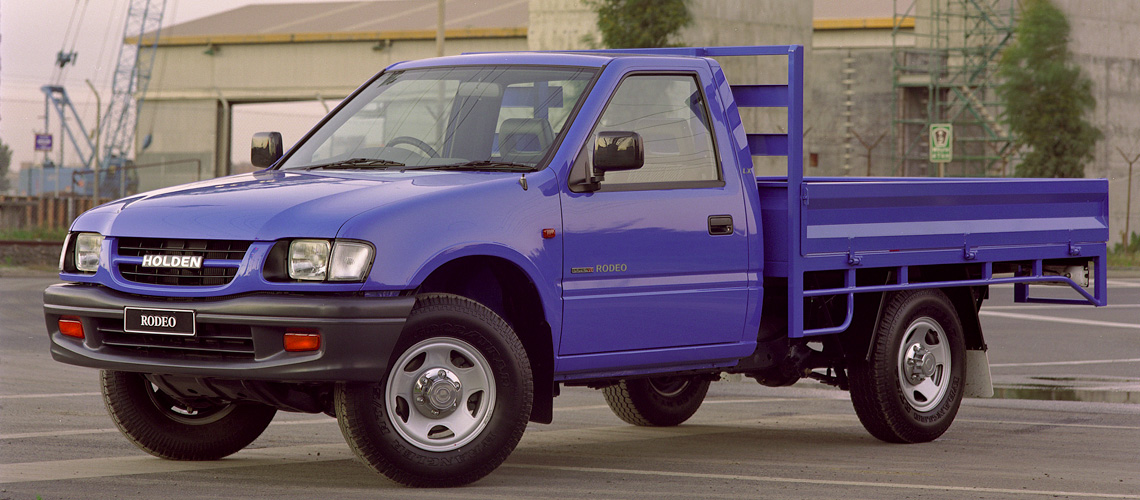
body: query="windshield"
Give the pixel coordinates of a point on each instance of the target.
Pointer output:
(468, 117)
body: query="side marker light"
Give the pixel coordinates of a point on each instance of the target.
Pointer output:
(71, 326)
(302, 341)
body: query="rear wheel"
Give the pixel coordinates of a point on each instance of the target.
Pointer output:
(657, 401)
(910, 389)
(164, 427)
(454, 404)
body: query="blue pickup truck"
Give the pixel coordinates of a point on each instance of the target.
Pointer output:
(465, 235)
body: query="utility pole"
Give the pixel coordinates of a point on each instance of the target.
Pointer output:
(59, 168)
(95, 157)
(1128, 200)
(439, 28)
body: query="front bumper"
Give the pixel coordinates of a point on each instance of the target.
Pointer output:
(238, 337)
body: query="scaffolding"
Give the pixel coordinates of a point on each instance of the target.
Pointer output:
(945, 71)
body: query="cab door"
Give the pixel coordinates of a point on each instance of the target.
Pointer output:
(654, 257)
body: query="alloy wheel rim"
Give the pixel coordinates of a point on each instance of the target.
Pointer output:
(924, 364)
(440, 394)
(183, 413)
(669, 386)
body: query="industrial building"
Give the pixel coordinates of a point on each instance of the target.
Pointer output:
(879, 72)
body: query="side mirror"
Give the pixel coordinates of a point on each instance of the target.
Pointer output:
(615, 151)
(265, 149)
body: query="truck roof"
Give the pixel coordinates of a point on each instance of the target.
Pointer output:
(599, 58)
(584, 59)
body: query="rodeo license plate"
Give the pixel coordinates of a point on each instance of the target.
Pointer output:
(160, 321)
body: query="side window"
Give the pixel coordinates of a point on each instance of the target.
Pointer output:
(669, 113)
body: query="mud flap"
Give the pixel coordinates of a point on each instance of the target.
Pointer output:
(978, 381)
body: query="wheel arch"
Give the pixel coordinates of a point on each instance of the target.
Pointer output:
(967, 301)
(504, 287)
(869, 307)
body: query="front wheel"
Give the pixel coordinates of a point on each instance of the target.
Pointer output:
(910, 389)
(455, 401)
(164, 427)
(657, 401)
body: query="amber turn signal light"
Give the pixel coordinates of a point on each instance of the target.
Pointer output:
(302, 340)
(71, 326)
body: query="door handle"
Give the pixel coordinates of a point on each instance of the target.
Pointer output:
(720, 225)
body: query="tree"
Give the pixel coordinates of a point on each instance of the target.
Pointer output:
(626, 24)
(1047, 96)
(5, 162)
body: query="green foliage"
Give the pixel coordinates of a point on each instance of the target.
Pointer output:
(628, 24)
(1133, 245)
(34, 234)
(1123, 255)
(1046, 95)
(5, 162)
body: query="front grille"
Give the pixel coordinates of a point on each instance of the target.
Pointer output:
(211, 342)
(225, 250)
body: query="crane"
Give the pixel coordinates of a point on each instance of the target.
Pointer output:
(132, 75)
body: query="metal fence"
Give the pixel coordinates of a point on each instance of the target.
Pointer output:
(118, 182)
(57, 209)
(48, 211)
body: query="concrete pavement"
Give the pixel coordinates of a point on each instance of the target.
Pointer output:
(747, 441)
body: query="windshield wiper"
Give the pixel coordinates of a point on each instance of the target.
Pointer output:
(505, 166)
(355, 163)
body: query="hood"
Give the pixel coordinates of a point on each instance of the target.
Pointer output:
(266, 205)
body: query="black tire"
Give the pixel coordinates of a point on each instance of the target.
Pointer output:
(908, 392)
(658, 401)
(485, 414)
(165, 428)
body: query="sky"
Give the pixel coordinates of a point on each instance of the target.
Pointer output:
(33, 31)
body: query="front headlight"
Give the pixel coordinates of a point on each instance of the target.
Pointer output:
(320, 260)
(308, 259)
(350, 261)
(87, 249)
